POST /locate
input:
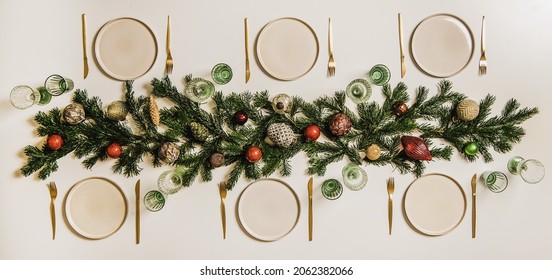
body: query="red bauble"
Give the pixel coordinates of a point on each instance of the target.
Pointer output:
(312, 132)
(415, 148)
(54, 142)
(253, 154)
(114, 150)
(240, 117)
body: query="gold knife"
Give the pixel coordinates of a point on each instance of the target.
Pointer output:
(247, 71)
(137, 191)
(403, 66)
(309, 187)
(473, 186)
(85, 57)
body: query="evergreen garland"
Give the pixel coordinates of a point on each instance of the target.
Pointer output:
(431, 118)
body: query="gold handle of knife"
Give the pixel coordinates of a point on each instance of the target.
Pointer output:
(223, 216)
(403, 66)
(85, 56)
(390, 213)
(473, 216)
(247, 70)
(309, 188)
(137, 191)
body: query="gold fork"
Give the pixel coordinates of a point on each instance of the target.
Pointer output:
(223, 192)
(483, 59)
(169, 61)
(331, 62)
(53, 194)
(390, 191)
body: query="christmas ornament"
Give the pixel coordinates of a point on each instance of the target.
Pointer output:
(253, 154)
(312, 132)
(114, 150)
(54, 142)
(415, 148)
(216, 160)
(168, 152)
(471, 148)
(373, 152)
(282, 103)
(281, 134)
(199, 131)
(73, 113)
(240, 117)
(117, 111)
(154, 111)
(467, 110)
(340, 124)
(400, 108)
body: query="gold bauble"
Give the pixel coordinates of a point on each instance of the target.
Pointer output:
(467, 110)
(117, 111)
(373, 152)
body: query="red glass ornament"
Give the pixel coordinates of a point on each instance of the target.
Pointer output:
(253, 154)
(312, 132)
(114, 150)
(54, 142)
(415, 148)
(240, 117)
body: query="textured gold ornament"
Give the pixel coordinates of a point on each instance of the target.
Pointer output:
(467, 110)
(117, 111)
(373, 152)
(154, 111)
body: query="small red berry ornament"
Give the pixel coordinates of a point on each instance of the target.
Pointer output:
(253, 154)
(114, 150)
(240, 117)
(312, 132)
(54, 142)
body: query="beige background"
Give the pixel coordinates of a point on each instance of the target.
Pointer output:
(39, 38)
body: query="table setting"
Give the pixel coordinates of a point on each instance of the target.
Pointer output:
(274, 162)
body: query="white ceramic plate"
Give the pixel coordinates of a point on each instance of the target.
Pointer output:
(95, 208)
(442, 45)
(268, 209)
(125, 48)
(287, 48)
(434, 204)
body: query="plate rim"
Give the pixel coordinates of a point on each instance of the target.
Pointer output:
(421, 231)
(259, 57)
(436, 75)
(99, 61)
(250, 233)
(65, 205)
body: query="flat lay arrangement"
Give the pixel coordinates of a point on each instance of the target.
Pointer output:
(255, 135)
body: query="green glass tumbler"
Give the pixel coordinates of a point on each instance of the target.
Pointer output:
(359, 91)
(531, 170)
(379, 75)
(57, 85)
(23, 97)
(331, 189)
(199, 90)
(495, 181)
(154, 200)
(171, 181)
(221, 73)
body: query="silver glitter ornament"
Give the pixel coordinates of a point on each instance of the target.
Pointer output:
(73, 113)
(169, 152)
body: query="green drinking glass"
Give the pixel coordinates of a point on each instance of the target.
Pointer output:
(331, 189)
(354, 177)
(57, 85)
(154, 200)
(171, 181)
(199, 90)
(379, 75)
(23, 97)
(221, 73)
(531, 170)
(495, 181)
(359, 90)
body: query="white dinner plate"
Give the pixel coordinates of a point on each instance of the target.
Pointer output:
(287, 48)
(442, 45)
(268, 209)
(125, 48)
(95, 208)
(434, 204)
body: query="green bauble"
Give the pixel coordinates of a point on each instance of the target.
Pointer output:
(471, 148)
(199, 131)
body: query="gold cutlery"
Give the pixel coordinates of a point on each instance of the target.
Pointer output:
(223, 191)
(483, 59)
(53, 194)
(85, 56)
(169, 61)
(137, 191)
(331, 62)
(247, 71)
(403, 66)
(309, 188)
(473, 186)
(390, 191)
